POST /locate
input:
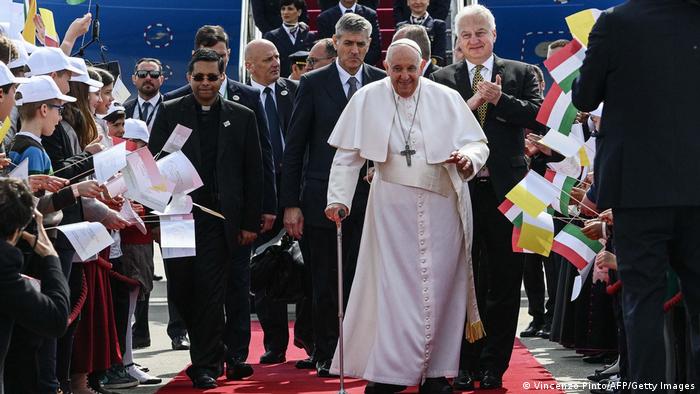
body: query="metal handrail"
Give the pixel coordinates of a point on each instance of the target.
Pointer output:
(248, 32)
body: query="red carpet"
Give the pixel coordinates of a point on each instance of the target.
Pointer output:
(284, 378)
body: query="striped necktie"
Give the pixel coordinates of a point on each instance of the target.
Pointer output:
(481, 111)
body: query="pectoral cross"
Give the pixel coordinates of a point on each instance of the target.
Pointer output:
(408, 152)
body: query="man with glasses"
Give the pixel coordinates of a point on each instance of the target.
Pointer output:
(225, 149)
(148, 78)
(322, 54)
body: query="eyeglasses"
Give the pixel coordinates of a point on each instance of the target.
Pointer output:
(58, 107)
(311, 61)
(209, 77)
(152, 73)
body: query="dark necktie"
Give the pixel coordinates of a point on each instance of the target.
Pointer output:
(481, 111)
(274, 123)
(145, 110)
(349, 11)
(353, 87)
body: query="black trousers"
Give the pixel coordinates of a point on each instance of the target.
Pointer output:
(648, 242)
(534, 282)
(237, 331)
(322, 244)
(199, 290)
(498, 274)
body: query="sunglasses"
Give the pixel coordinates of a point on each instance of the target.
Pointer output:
(209, 77)
(58, 107)
(313, 60)
(152, 73)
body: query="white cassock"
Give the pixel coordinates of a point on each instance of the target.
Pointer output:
(414, 282)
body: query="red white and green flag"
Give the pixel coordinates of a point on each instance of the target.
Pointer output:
(510, 210)
(574, 246)
(565, 184)
(564, 65)
(557, 111)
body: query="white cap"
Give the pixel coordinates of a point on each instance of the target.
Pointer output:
(47, 60)
(40, 88)
(136, 129)
(114, 107)
(7, 78)
(23, 54)
(85, 77)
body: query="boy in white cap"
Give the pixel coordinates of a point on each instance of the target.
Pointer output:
(136, 130)
(8, 85)
(54, 63)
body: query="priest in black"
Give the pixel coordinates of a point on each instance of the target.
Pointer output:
(225, 149)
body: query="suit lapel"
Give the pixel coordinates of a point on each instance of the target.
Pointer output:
(335, 86)
(284, 103)
(498, 68)
(462, 81)
(232, 90)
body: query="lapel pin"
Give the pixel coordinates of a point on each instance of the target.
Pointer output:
(284, 93)
(236, 97)
(227, 123)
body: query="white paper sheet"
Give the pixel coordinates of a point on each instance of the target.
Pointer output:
(177, 232)
(181, 204)
(116, 185)
(580, 280)
(109, 161)
(87, 238)
(177, 138)
(132, 217)
(178, 169)
(172, 253)
(144, 181)
(21, 171)
(120, 92)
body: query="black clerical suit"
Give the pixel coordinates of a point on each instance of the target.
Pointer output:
(647, 162)
(45, 313)
(437, 9)
(437, 33)
(267, 16)
(320, 101)
(326, 28)
(224, 147)
(285, 46)
(237, 337)
(498, 272)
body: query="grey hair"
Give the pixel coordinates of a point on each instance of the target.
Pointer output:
(418, 34)
(352, 23)
(476, 10)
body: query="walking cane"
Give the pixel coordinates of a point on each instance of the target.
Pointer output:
(341, 314)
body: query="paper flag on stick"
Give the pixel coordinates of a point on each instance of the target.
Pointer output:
(21, 171)
(537, 233)
(533, 194)
(87, 238)
(581, 23)
(177, 139)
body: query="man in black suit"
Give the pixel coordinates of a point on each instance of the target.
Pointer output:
(266, 14)
(225, 149)
(437, 8)
(44, 312)
(648, 136)
(435, 28)
(505, 97)
(326, 4)
(237, 336)
(292, 36)
(327, 19)
(418, 34)
(321, 98)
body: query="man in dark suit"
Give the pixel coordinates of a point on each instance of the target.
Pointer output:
(225, 149)
(327, 19)
(435, 28)
(326, 4)
(266, 14)
(291, 36)
(648, 137)
(43, 312)
(505, 97)
(321, 98)
(237, 336)
(437, 8)
(418, 34)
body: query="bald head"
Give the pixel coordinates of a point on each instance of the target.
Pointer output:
(262, 60)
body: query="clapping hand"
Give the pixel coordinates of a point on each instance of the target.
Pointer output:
(490, 91)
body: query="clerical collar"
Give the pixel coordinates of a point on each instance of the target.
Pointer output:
(153, 100)
(488, 64)
(343, 9)
(344, 75)
(206, 108)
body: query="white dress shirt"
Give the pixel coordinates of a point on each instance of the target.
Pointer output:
(343, 9)
(223, 90)
(486, 72)
(152, 110)
(345, 76)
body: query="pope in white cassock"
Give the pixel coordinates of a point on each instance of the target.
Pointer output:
(406, 312)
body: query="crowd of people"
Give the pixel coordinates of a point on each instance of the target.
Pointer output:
(412, 160)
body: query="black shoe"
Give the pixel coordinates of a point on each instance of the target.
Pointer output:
(383, 388)
(545, 332)
(307, 363)
(323, 368)
(96, 383)
(157, 278)
(464, 381)
(117, 378)
(271, 357)
(491, 380)
(140, 342)
(204, 381)
(435, 386)
(531, 330)
(180, 342)
(237, 370)
(598, 376)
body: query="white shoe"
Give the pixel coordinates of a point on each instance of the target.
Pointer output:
(143, 378)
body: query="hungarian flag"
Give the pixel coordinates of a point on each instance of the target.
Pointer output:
(564, 65)
(557, 111)
(510, 210)
(565, 184)
(573, 245)
(581, 23)
(537, 233)
(533, 194)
